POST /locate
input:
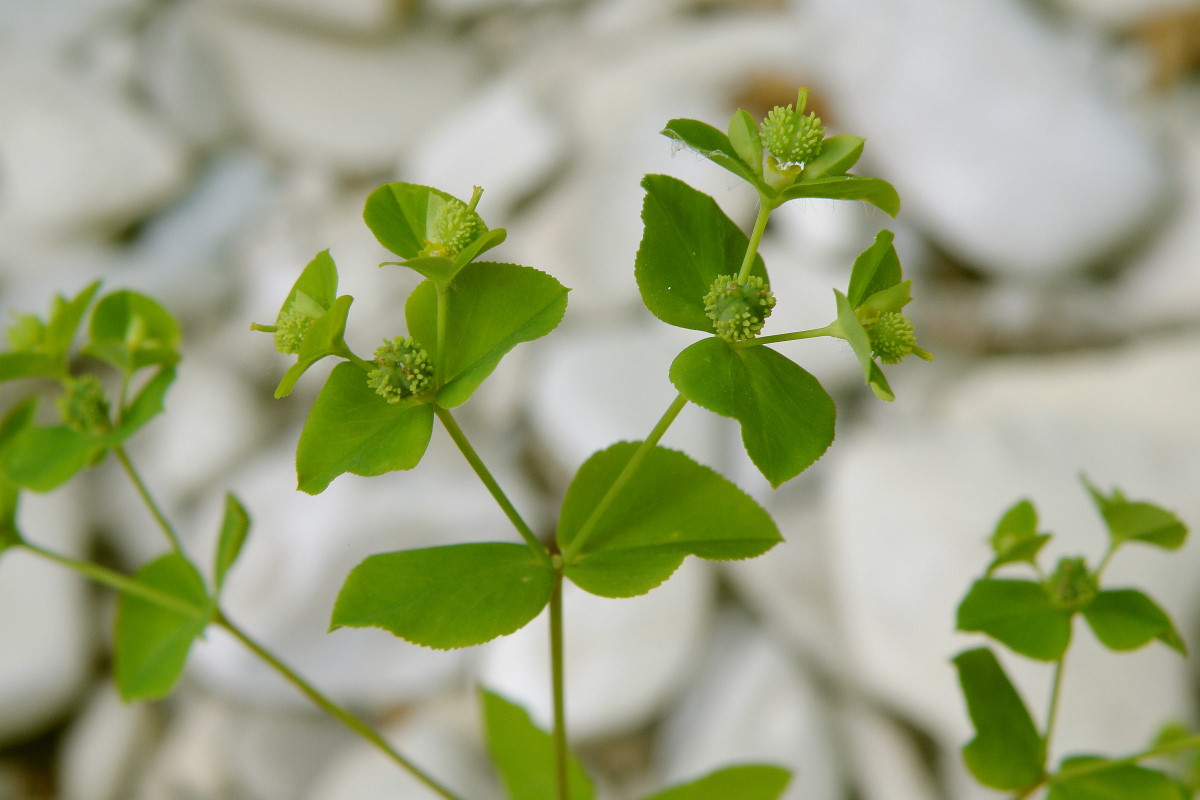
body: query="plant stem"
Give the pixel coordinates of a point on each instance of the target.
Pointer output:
(1055, 692)
(558, 681)
(347, 718)
(493, 487)
(785, 337)
(760, 225)
(155, 511)
(627, 473)
(439, 366)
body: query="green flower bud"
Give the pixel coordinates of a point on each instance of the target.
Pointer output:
(1071, 587)
(892, 337)
(738, 311)
(290, 329)
(454, 227)
(792, 137)
(402, 369)
(27, 334)
(83, 405)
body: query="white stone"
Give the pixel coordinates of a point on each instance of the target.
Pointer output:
(625, 658)
(357, 105)
(1123, 14)
(103, 746)
(276, 755)
(1010, 153)
(356, 16)
(77, 161)
(884, 759)
(750, 704)
(45, 622)
(188, 758)
(41, 25)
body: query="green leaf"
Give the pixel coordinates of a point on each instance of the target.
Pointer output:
(670, 507)
(28, 365)
(399, 214)
(1126, 619)
(44, 458)
(838, 154)
(1018, 614)
(1007, 751)
(131, 331)
(524, 754)
(352, 429)
(746, 141)
(235, 525)
(787, 419)
(744, 782)
(326, 337)
(877, 268)
(147, 404)
(446, 597)
(687, 243)
(856, 335)
(716, 147)
(65, 317)
(152, 639)
(314, 291)
(490, 309)
(1092, 778)
(18, 418)
(875, 191)
(1016, 538)
(1138, 521)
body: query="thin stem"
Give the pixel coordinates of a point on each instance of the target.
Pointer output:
(626, 474)
(756, 234)
(558, 681)
(493, 487)
(155, 511)
(442, 310)
(786, 337)
(115, 580)
(1055, 692)
(344, 716)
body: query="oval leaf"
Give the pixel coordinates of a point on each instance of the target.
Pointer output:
(42, 458)
(399, 215)
(235, 525)
(524, 754)
(686, 244)
(875, 269)
(787, 418)
(490, 309)
(1018, 614)
(152, 639)
(352, 429)
(130, 331)
(745, 782)
(326, 337)
(1007, 751)
(838, 154)
(875, 191)
(1126, 619)
(670, 508)
(446, 597)
(716, 147)
(1091, 778)
(1138, 521)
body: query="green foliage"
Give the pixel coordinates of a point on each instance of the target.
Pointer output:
(131, 331)
(745, 782)
(1018, 614)
(524, 754)
(235, 526)
(1126, 619)
(1007, 751)
(446, 597)
(1092, 778)
(1016, 539)
(1138, 521)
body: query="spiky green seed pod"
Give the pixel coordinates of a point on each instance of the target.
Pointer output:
(27, 334)
(290, 328)
(892, 337)
(1071, 587)
(792, 137)
(402, 369)
(738, 311)
(83, 405)
(454, 227)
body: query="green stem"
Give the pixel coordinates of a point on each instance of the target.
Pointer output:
(1055, 692)
(115, 580)
(558, 681)
(442, 310)
(344, 716)
(756, 234)
(626, 474)
(787, 337)
(155, 511)
(493, 487)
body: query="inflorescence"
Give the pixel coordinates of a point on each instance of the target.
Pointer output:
(738, 311)
(402, 370)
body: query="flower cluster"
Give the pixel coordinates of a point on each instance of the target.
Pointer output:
(83, 405)
(454, 227)
(402, 370)
(290, 329)
(738, 311)
(792, 137)
(892, 337)
(1071, 587)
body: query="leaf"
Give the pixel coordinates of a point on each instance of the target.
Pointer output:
(44, 458)
(744, 782)
(131, 331)
(326, 337)
(148, 403)
(314, 291)
(235, 525)
(399, 214)
(1126, 619)
(1138, 521)
(787, 419)
(352, 429)
(838, 154)
(152, 640)
(1015, 538)
(687, 243)
(490, 309)
(1007, 752)
(524, 754)
(746, 141)
(875, 191)
(65, 317)
(27, 365)
(875, 269)
(716, 147)
(18, 418)
(860, 343)
(670, 508)
(1018, 614)
(1105, 780)
(446, 597)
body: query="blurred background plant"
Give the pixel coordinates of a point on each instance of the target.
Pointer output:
(201, 151)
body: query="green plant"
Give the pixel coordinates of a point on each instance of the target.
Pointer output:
(633, 511)
(1035, 618)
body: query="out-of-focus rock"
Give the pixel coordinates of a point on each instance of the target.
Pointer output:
(103, 746)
